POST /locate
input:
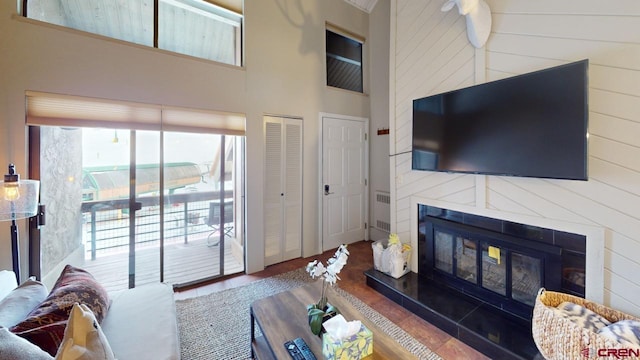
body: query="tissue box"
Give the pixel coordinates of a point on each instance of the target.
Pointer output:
(355, 347)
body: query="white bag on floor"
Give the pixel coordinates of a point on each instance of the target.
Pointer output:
(391, 260)
(378, 251)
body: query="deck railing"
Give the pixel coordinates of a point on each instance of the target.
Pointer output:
(106, 223)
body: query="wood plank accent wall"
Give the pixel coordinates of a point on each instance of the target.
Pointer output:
(431, 54)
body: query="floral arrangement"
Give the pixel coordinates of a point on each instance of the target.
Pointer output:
(317, 312)
(394, 239)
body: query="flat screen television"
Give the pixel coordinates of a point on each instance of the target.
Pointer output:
(530, 125)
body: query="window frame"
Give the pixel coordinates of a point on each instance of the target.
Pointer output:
(233, 17)
(348, 37)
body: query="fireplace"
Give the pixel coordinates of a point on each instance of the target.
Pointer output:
(499, 262)
(476, 277)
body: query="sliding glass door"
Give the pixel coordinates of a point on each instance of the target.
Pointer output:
(202, 215)
(138, 206)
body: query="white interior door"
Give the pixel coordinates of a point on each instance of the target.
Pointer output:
(344, 181)
(282, 189)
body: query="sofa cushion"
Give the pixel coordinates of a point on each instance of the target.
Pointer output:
(21, 301)
(7, 282)
(143, 315)
(13, 346)
(83, 337)
(45, 325)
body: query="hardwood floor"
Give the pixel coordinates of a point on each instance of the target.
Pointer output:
(111, 270)
(353, 281)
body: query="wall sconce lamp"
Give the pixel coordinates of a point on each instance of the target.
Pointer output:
(18, 200)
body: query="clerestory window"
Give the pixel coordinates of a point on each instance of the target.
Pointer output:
(196, 28)
(344, 61)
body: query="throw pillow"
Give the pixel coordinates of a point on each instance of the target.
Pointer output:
(582, 316)
(626, 332)
(45, 325)
(21, 301)
(83, 337)
(13, 346)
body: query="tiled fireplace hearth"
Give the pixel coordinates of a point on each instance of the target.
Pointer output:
(478, 276)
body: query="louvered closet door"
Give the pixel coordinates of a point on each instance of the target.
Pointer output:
(273, 215)
(292, 247)
(282, 189)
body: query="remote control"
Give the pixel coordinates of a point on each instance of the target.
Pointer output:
(299, 350)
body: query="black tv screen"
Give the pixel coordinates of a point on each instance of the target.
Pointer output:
(530, 125)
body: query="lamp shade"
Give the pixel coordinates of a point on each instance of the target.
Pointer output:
(18, 199)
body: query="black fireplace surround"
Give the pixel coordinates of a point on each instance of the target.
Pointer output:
(478, 276)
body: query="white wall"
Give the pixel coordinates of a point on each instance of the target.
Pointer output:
(430, 54)
(284, 75)
(379, 144)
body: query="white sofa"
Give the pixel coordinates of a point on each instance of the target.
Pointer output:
(140, 323)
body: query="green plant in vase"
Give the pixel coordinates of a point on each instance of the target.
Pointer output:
(322, 310)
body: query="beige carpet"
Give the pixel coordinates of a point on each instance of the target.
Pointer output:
(217, 325)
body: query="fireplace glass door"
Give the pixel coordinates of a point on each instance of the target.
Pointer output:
(494, 268)
(444, 251)
(488, 264)
(501, 263)
(466, 259)
(526, 278)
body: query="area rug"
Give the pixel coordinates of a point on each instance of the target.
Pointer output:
(218, 326)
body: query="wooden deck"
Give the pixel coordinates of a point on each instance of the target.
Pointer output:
(183, 263)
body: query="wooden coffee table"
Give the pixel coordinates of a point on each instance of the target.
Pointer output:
(283, 317)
